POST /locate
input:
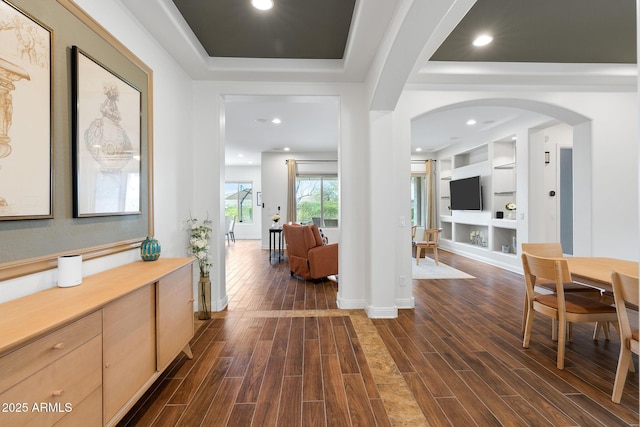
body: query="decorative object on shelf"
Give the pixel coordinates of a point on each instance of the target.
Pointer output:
(275, 218)
(199, 248)
(506, 249)
(69, 270)
(511, 207)
(150, 249)
(478, 238)
(499, 214)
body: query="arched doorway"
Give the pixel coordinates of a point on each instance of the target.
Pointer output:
(534, 225)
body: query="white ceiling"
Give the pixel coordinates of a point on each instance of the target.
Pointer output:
(438, 130)
(312, 124)
(308, 124)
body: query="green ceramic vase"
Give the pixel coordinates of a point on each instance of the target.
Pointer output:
(150, 249)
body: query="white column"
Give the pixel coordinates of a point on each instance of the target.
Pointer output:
(355, 213)
(208, 180)
(382, 250)
(402, 209)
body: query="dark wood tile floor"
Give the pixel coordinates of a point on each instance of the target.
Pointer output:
(283, 354)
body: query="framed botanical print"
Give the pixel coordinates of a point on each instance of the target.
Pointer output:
(106, 140)
(25, 116)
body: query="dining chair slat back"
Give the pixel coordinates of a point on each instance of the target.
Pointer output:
(625, 293)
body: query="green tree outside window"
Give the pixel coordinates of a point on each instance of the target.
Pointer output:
(238, 201)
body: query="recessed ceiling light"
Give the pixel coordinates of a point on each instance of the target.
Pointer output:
(482, 40)
(418, 149)
(240, 155)
(261, 120)
(287, 149)
(262, 4)
(471, 122)
(276, 121)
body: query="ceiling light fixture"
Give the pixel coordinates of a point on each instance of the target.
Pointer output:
(262, 4)
(418, 149)
(287, 149)
(482, 40)
(276, 121)
(471, 122)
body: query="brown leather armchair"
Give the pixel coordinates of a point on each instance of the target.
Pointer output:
(308, 257)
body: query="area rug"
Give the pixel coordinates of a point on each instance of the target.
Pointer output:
(427, 269)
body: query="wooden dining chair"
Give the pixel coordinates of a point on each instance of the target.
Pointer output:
(560, 306)
(230, 224)
(554, 250)
(430, 241)
(625, 293)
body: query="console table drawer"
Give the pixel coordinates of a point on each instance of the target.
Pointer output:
(87, 413)
(55, 390)
(28, 359)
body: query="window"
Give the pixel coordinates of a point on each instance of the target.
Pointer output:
(317, 200)
(417, 200)
(238, 201)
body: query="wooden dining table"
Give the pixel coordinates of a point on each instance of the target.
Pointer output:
(596, 272)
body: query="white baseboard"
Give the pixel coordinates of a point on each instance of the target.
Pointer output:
(404, 303)
(382, 312)
(345, 304)
(220, 304)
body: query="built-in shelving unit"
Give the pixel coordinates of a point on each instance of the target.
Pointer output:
(504, 176)
(470, 157)
(445, 177)
(490, 234)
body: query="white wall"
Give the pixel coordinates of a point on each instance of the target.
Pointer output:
(544, 223)
(247, 230)
(173, 182)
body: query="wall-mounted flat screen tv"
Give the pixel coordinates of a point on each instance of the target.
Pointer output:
(466, 194)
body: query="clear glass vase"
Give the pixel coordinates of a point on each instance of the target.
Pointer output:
(204, 298)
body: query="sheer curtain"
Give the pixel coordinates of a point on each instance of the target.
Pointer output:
(430, 191)
(291, 190)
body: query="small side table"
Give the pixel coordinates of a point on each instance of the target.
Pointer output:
(275, 236)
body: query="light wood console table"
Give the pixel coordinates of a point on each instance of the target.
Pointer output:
(84, 355)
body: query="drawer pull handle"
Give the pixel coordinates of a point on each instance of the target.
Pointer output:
(58, 346)
(57, 393)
